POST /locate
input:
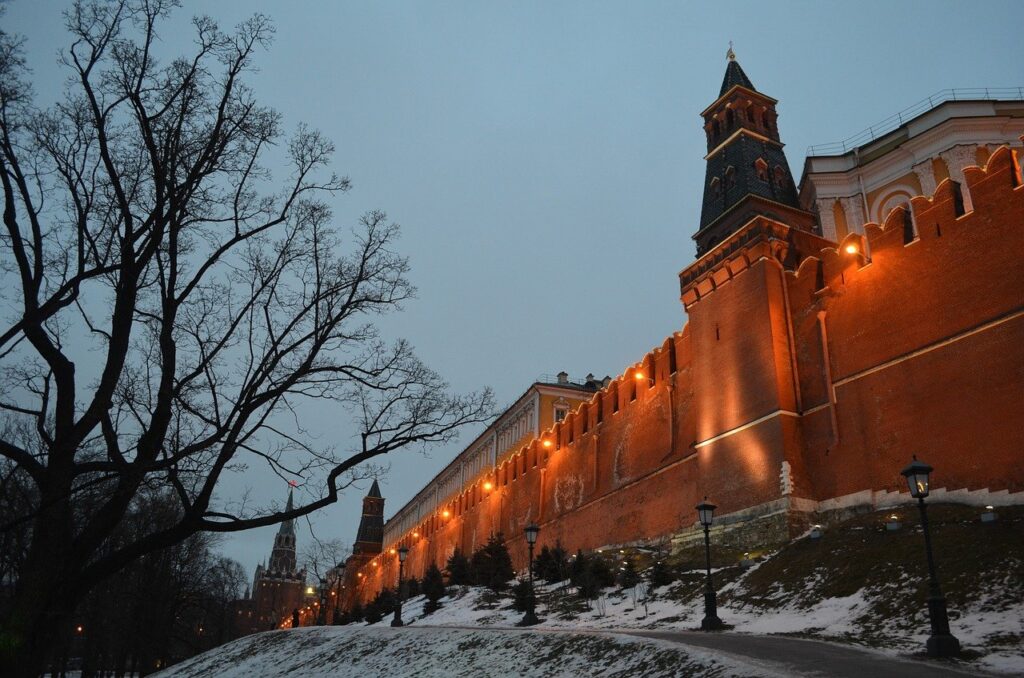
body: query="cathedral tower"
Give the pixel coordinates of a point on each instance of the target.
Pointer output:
(279, 587)
(370, 537)
(747, 173)
(282, 558)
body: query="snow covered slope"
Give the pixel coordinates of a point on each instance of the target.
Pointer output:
(340, 651)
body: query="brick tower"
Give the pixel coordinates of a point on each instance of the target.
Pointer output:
(370, 537)
(278, 588)
(748, 410)
(282, 558)
(369, 544)
(747, 173)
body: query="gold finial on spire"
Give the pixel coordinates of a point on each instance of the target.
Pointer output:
(730, 55)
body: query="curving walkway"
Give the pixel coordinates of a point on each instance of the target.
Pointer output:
(800, 657)
(781, 655)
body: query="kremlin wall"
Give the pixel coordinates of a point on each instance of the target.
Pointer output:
(807, 375)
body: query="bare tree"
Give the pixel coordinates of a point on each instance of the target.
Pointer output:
(320, 557)
(172, 312)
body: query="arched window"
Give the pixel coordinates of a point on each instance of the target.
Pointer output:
(766, 122)
(715, 129)
(750, 115)
(730, 177)
(730, 118)
(780, 176)
(716, 186)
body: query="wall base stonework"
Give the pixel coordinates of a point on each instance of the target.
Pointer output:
(772, 524)
(753, 529)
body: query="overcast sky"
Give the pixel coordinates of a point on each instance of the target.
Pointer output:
(545, 159)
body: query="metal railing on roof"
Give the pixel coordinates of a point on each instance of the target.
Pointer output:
(894, 121)
(553, 379)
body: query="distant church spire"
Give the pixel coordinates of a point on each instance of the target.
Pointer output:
(288, 526)
(282, 558)
(747, 173)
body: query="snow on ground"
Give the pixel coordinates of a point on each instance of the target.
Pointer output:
(990, 629)
(845, 619)
(339, 651)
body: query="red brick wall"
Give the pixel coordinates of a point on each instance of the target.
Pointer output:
(925, 353)
(954, 398)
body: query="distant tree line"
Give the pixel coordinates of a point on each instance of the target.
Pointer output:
(164, 607)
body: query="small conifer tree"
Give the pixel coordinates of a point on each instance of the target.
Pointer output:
(659, 575)
(492, 565)
(372, 613)
(589, 574)
(552, 565)
(628, 576)
(412, 587)
(540, 562)
(385, 601)
(522, 595)
(602, 572)
(458, 568)
(433, 588)
(356, 614)
(578, 567)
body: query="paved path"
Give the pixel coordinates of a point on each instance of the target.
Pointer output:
(801, 657)
(786, 656)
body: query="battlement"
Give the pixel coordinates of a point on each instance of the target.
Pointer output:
(994, 189)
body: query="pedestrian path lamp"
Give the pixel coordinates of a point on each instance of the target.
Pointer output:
(339, 574)
(530, 618)
(941, 643)
(403, 553)
(321, 613)
(711, 622)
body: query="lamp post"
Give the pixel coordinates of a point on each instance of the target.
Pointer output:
(403, 553)
(339, 573)
(321, 614)
(711, 622)
(941, 643)
(530, 618)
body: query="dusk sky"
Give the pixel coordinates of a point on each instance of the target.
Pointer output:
(545, 159)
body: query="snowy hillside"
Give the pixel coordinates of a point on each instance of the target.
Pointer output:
(860, 584)
(843, 618)
(341, 651)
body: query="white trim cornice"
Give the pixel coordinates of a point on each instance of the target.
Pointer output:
(930, 144)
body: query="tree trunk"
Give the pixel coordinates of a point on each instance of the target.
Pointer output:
(44, 599)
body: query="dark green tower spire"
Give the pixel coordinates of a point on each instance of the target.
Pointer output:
(747, 172)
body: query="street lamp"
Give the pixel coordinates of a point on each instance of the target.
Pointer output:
(321, 616)
(530, 618)
(941, 643)
(403, 553)
(339, 572)
(711, 622)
